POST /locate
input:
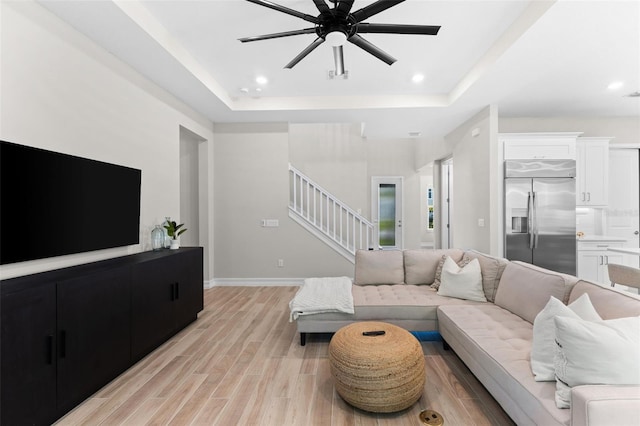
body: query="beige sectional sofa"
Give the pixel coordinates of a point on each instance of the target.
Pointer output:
(493, 338)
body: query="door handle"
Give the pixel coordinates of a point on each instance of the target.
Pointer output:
(530, 220)
(636, 233)
(535, 221)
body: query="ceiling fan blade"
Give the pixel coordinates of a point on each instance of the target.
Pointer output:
(343, 7)
(374, 50)
(283, 9)
(304, 53)
(278, 35)
(374, 8)
(322, 6)
(365, 28)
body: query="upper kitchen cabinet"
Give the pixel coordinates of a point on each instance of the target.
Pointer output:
(592, 171)
(544, 146)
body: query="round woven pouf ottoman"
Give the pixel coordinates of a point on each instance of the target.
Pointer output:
(377, 367)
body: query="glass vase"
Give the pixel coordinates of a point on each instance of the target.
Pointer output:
(157, 238)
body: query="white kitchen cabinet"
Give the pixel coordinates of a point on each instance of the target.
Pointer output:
(593, 258)
(592, 172)
(532, 146)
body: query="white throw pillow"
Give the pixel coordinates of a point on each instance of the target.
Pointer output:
(544, 334)
(462, 283)
(602, 352)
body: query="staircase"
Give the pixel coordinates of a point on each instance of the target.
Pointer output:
(326, 217)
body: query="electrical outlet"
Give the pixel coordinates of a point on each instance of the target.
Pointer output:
(280, 263)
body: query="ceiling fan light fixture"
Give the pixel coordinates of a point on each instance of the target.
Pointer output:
(336, 38)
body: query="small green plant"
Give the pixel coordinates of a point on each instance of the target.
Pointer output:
(173, 229)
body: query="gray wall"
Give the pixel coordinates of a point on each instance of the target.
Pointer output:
(62, 92)
(251, 184)
(475, 183)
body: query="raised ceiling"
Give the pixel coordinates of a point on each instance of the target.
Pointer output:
(530, 58)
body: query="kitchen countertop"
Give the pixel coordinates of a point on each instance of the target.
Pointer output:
(602, 238)
(626, 250)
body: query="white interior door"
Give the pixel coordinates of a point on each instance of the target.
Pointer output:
(386, 209)
(623, 217)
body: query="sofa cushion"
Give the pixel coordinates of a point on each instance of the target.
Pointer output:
(525, 289)
(420, 265)
(544, 334)
(495, 344)
(462, 282)
(492, 269)
(375, 267)
(610, 303)
(437, 279)
(398, 302)
(410, 306)
(592, 404)
(600, 352)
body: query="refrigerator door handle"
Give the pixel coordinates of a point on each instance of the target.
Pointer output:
(535, 221)
(530, 220)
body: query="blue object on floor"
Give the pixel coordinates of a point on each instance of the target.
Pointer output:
(427, 336)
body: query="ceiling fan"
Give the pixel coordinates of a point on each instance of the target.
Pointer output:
(337, 25)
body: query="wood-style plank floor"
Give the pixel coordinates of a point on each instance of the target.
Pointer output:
(241, 363)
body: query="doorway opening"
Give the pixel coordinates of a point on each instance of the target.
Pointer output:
(446, 192)
(192, 172)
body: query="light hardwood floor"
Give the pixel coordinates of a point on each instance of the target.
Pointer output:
(241, 363)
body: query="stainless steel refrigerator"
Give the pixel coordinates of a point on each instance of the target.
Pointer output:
(540, 213)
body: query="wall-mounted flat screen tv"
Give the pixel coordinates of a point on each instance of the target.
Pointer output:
(53, 204)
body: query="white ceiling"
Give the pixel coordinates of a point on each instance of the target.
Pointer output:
(530, 58)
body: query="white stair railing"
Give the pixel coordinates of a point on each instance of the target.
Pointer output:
(327, 217)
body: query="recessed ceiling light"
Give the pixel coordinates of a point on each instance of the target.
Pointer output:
(258, 89)
(417, 78)
(244, 90)
(261, 80)
(615, 85)
(414, 134)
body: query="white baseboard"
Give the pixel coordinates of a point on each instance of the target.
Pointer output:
(253, 282)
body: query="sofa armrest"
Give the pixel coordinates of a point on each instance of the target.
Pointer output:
(603, 405)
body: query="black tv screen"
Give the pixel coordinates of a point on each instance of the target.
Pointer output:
(54, 204)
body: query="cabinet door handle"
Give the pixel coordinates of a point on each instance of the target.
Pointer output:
(50, 349)
(177, 291)
(588, 196)
(600, 260)
(63, 344)
(172, 288)
(583, 197)
(606, 260)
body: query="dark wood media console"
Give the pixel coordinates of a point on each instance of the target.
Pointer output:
(66, 333)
